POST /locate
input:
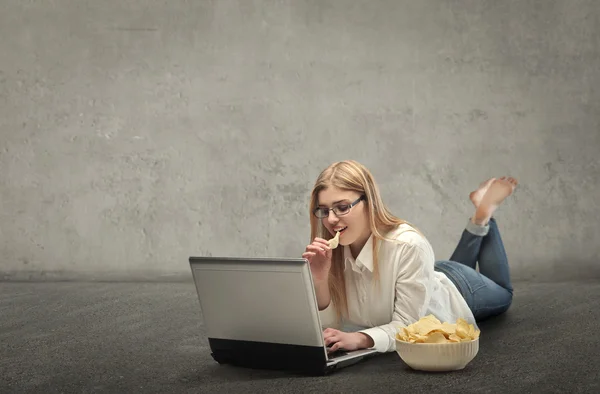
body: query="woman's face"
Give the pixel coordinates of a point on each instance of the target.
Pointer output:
(355, 223)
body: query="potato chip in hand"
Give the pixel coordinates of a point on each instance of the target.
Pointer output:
(334, 242)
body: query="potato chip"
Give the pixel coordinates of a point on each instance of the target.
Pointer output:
(427, 324)
(462, 328)
(335, 241)
(449, 328)
(435, 337)
(430, 330)
(454, 338)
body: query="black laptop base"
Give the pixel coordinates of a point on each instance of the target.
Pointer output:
(309, 360)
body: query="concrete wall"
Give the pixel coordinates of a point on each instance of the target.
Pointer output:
(137, 133)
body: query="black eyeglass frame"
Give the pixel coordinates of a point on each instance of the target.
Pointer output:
(349, 206)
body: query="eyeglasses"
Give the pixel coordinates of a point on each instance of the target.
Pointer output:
(339, 210)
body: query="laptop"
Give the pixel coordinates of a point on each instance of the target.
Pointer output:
(262, 313)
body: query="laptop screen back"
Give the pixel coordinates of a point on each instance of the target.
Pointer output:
(262, 300)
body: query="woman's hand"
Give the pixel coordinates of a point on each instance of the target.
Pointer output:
(346, 340)
(318, 255)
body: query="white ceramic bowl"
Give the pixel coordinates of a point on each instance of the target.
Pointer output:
(439, 357)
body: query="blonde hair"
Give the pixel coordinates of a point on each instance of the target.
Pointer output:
(350, 175)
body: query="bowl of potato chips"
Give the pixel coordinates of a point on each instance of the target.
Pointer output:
(430, 345)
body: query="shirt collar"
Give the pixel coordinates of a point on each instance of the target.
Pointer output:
(364, 259)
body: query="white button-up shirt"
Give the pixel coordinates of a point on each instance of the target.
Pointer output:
(408, 289)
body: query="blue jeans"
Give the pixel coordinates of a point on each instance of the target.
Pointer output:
(487, 292)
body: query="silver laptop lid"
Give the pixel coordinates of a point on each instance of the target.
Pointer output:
(263, 300)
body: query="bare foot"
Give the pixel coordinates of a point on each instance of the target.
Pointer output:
(478, 194)
(493, 197)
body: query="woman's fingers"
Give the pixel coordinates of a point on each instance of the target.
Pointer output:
(330, 340)
(329, 332)
(330, 336)
(317, 249)
(321, 242)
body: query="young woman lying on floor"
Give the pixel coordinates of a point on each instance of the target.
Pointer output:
(383, 275)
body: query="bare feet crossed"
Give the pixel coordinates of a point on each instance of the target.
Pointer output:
(478, 194)
(496, 191)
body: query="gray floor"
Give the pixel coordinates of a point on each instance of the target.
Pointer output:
(148, 337)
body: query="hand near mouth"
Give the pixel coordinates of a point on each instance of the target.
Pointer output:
(318, 255)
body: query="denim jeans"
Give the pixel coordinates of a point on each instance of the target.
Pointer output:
(489, 291)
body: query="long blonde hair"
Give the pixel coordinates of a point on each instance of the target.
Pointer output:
(350, 175)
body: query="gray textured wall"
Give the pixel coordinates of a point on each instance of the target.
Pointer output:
(137, 133)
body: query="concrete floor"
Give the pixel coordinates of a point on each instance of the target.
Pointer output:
(148, 338)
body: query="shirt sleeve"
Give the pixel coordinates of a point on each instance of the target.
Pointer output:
(412, 294)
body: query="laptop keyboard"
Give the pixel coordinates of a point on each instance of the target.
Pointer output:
(336, 354)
